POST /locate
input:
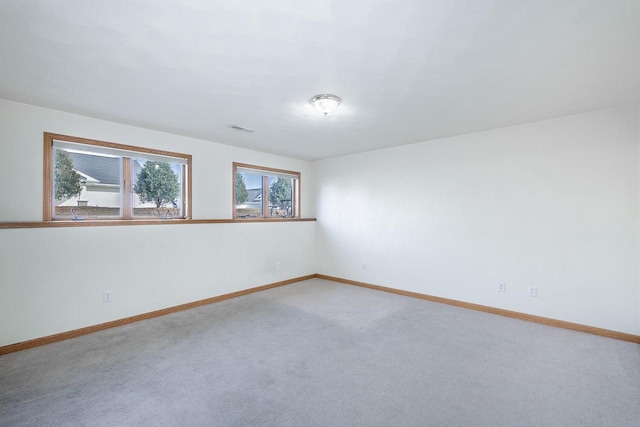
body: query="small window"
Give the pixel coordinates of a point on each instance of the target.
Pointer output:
(88, 179)
(265, 193)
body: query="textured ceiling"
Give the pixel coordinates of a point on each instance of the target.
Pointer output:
(407, 71)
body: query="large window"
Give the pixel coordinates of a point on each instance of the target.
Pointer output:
(88, 179)
(265, 193)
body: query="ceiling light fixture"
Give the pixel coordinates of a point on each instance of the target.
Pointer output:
(326, 103)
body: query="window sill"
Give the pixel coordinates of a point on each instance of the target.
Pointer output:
(116, 222)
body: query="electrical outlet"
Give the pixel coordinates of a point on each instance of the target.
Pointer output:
(278, 265)
(533, 291)
(364, 267)
(502, 287)
(107, 296)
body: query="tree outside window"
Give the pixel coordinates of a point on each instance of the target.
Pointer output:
(241, 189)
(280, 196)
(157, 183)
(68, 182)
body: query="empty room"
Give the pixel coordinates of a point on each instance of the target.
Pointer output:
(320, 213)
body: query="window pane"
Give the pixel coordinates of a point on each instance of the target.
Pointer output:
(248, 195)
(280, 196)
(157, 188)
(264, 192)
(90, 179)
(86, 185)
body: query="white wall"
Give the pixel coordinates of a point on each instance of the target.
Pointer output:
(637, 246)
(552, 204)
(52, 279)
(21, 151)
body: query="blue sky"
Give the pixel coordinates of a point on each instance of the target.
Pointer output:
(252, 180)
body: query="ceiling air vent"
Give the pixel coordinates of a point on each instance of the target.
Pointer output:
(241, 129)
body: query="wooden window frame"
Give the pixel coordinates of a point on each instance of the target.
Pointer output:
(266, 214)
(126, 207)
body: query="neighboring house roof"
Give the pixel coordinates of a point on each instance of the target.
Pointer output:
(137, 168)
(106, 170)
(254, 194)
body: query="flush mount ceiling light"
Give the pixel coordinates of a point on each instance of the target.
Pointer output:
(326, 103)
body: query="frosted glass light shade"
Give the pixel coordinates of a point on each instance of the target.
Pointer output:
(326, 103)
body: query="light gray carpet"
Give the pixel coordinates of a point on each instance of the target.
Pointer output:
(319, 353)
